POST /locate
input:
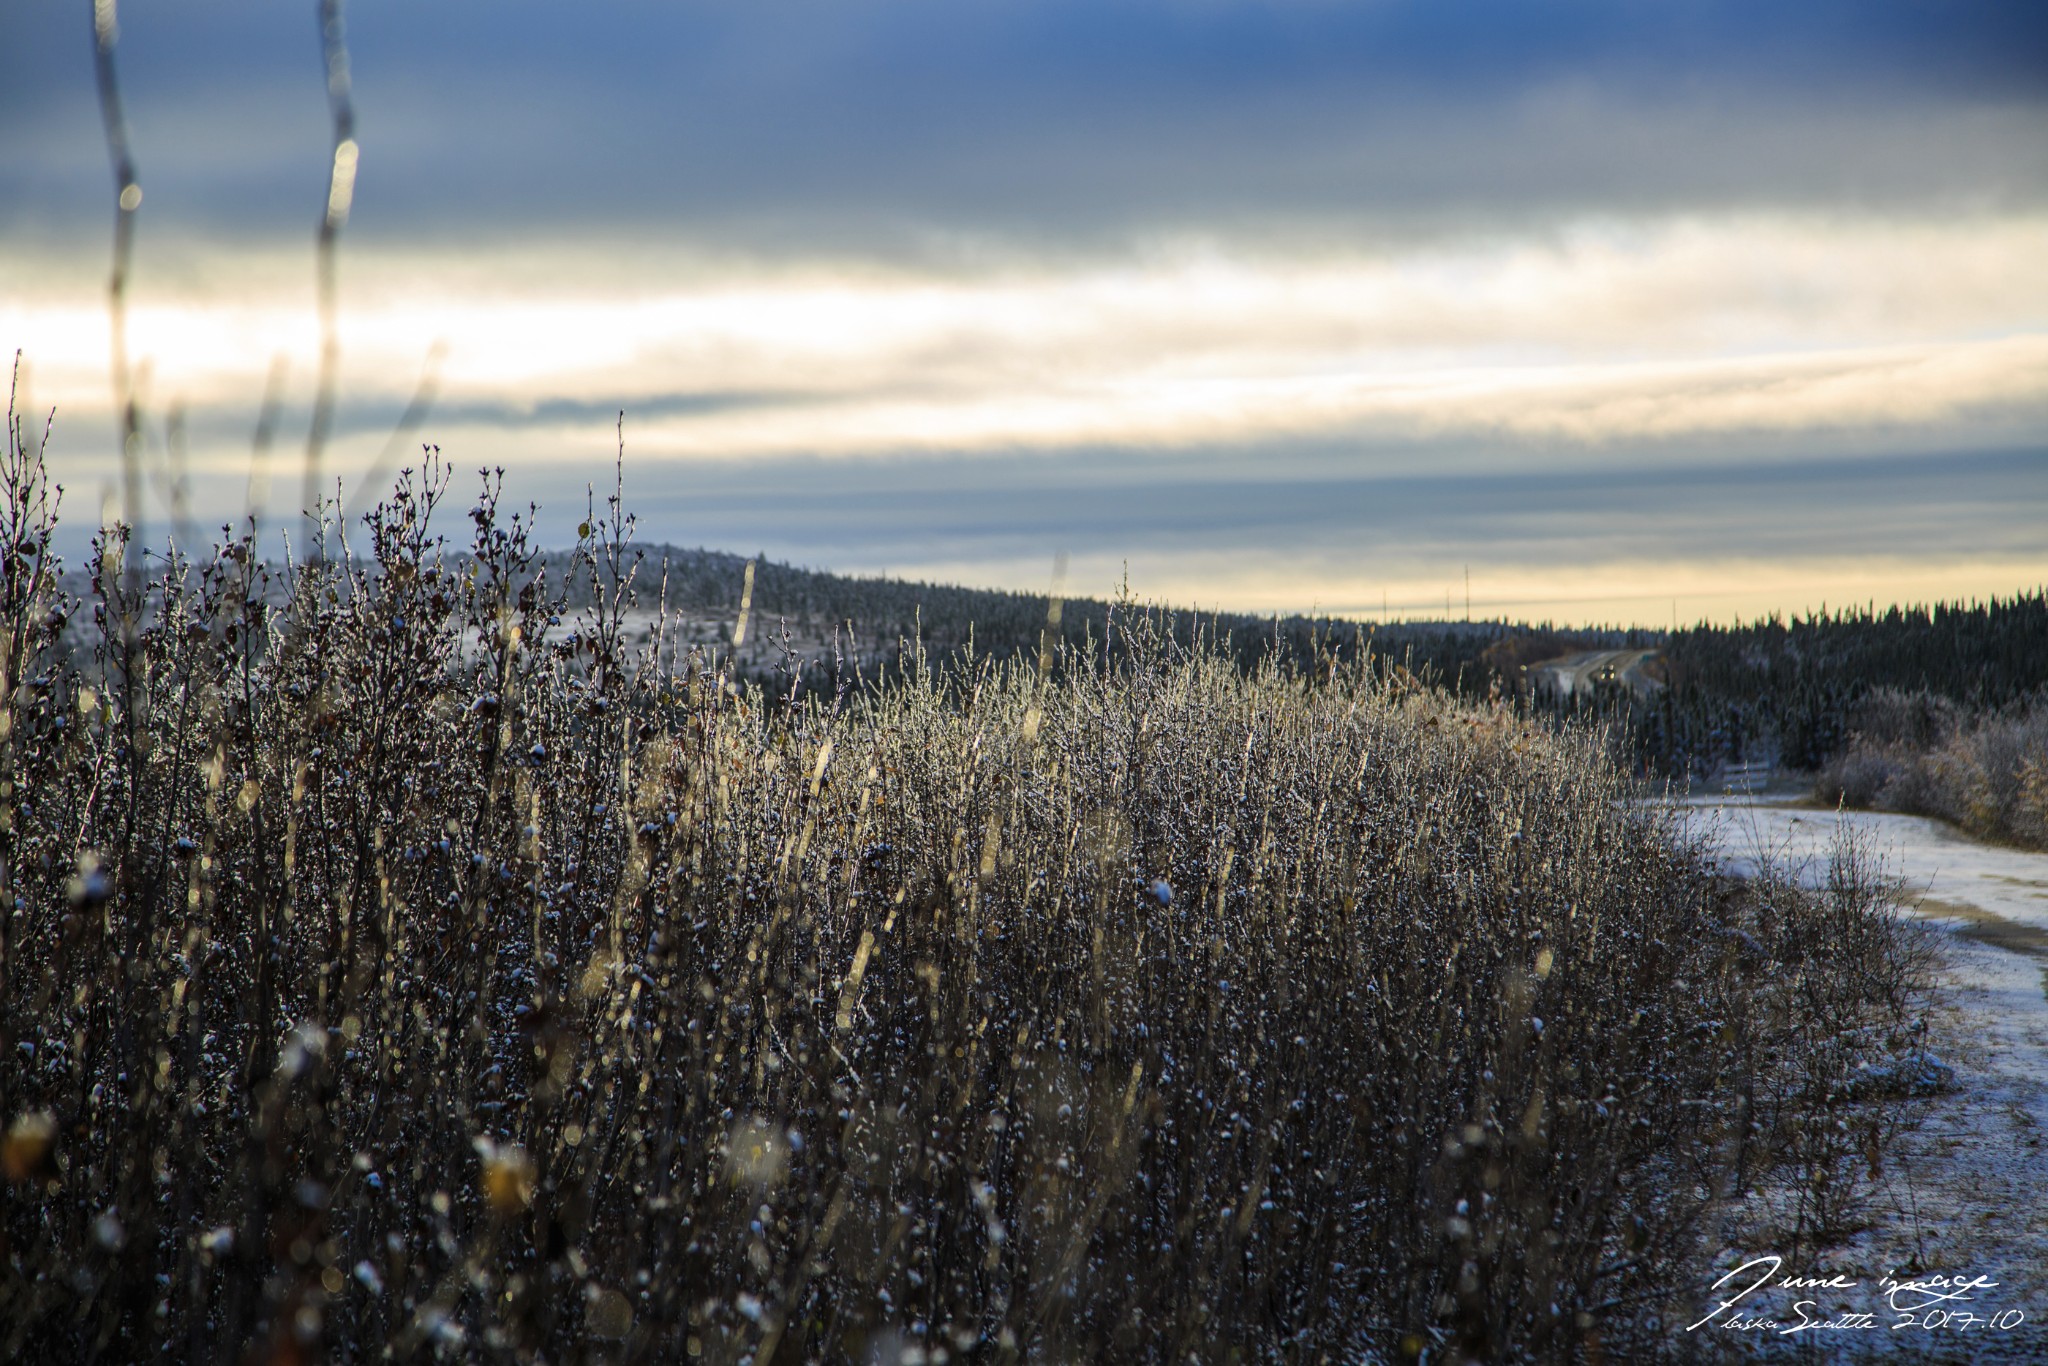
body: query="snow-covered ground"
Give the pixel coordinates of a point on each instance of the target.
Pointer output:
(1966, 1193)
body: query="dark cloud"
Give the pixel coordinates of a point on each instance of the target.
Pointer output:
(1324, 512)
(807, 121)
(848, 129)
(1954, 505)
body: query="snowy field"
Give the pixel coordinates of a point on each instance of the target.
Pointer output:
(1963, 1194)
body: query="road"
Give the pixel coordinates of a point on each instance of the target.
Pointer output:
(1962, 1188)
(1580, 673)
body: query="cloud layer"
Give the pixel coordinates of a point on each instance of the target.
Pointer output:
(822, 122)
(1759, 289)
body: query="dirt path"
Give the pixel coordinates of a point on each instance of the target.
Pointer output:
(1965, 1191)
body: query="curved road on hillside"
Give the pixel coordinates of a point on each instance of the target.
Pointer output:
(1580, 673)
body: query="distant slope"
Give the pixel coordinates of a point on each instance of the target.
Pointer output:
(876, 619)
(831, 627)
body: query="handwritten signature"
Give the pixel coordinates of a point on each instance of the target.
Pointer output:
(1936, 1303)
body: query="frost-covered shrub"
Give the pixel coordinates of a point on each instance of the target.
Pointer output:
(1864, 775)
(392, 959)
(1987, 773)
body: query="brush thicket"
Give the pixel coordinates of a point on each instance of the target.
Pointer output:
(394, 961)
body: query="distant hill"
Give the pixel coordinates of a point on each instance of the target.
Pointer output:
(877, 619)
(831, 627)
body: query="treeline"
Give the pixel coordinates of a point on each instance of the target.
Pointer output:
(1792, 691)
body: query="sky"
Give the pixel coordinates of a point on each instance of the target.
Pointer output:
(1630, 313)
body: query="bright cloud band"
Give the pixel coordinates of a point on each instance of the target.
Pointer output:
(1594, 335)
(1242, 426)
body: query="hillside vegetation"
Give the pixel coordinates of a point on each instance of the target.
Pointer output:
(1792, 689)
(1938, 711)
(397, 960)
(841, 628)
